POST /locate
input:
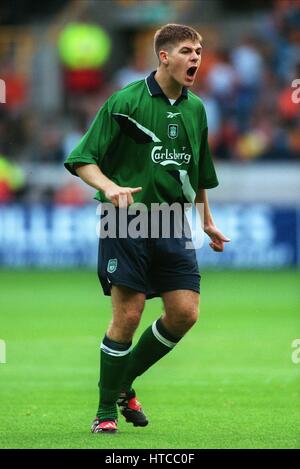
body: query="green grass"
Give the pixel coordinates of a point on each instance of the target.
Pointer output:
(230, 383)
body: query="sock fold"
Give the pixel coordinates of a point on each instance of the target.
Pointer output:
(161, 334)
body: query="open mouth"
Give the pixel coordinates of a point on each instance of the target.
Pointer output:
(191, 71)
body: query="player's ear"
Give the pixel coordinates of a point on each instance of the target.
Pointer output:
(163, 57)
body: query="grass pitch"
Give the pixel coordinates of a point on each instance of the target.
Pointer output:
(230, 383)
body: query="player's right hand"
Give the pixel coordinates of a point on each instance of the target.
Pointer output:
(121, 196)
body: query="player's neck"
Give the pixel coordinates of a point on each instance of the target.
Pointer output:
(171, 88)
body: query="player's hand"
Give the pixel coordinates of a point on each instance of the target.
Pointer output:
(121, 196)
(217, 238)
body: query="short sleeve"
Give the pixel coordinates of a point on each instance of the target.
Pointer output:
(96, 142)
(207, 173)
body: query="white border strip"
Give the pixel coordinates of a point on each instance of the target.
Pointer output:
(160, 338)
(139, 126)
(114, 353)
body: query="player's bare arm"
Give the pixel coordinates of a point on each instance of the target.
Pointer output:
(217, 238)
(92, 175)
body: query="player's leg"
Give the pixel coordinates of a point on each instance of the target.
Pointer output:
(122, 262)
(175, 275)
(181, 311)
(127, 306)
(154, 343)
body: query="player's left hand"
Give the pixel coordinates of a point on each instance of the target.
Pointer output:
(217, 238)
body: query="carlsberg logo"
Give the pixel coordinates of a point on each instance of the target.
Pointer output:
(166, 157)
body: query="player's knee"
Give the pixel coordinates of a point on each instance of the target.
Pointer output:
(187, 317)
(190, 320)
(132, 319)
(181, 320)
(124, 326)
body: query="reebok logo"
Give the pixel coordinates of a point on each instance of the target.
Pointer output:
(170, 115)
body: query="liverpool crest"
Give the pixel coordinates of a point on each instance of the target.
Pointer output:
(173, 130)
(112, 265)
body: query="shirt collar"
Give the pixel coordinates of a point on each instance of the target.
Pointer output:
(155, 90)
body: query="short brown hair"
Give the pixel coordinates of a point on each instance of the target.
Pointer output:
(172, 34)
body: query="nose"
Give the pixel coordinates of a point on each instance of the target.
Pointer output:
(194, 56)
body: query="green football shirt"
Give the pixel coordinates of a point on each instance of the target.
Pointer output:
(138, 138)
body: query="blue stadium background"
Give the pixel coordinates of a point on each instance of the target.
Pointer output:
(250, 61)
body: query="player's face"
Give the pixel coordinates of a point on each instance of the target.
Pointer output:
(183, 62)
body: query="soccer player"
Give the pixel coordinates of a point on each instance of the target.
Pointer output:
(148, 144)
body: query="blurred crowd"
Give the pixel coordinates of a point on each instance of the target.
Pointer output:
(248, 91)
(246, 88)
